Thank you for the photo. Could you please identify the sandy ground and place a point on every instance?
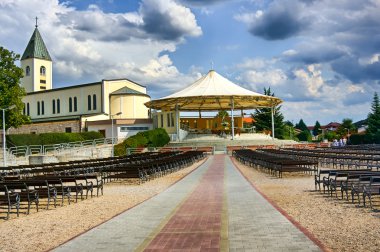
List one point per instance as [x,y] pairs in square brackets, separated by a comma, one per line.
[46,229]
[338,224]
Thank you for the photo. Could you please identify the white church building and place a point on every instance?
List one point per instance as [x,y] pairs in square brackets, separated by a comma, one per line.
[83,107]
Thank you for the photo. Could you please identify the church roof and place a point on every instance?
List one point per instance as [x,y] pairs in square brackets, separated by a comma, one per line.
[36,48]
[126,90]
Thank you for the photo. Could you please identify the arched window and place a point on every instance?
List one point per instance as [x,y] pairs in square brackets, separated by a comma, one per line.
[27,71]
[58,106]
[23,109]
[94,102]
[42,108]
[75,104]
[27,109]
[70,104]
[89,102]
[42,71]
[38,108]
[53,106]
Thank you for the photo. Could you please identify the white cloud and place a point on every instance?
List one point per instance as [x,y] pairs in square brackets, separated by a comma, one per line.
[89,45]
[312,79]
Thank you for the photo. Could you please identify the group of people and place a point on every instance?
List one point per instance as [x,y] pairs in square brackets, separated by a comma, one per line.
[339,143]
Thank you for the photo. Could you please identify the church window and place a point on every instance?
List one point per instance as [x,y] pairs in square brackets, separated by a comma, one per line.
[38,108]
[27,109]
[27,71]
[53,106]
[70,104]
[89,102]
[172,119]
[42,71]
[42,108]
[58,106]
[23,109]
[162,120]
[75,104]
[94,102]
[168,119]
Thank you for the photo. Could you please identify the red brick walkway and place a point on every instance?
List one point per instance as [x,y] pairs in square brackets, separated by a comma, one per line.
[197,224]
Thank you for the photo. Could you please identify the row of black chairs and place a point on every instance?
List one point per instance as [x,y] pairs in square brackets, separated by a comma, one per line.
[361,185]
[274,163]
[337,158]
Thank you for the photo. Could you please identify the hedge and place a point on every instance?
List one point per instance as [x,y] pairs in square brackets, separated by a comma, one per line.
[150,138]
[304,136]
[51,138]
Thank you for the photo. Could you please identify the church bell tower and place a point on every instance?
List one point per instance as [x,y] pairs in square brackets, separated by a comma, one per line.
[37,65]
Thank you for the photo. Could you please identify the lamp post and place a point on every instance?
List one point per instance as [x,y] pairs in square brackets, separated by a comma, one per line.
[4,140]
[119,113]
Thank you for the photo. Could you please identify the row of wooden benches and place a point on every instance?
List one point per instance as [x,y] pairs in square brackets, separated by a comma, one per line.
[361,184]
[14,191]
[152,169]
[273,163]
[62,180]
[337,159]
[76,167]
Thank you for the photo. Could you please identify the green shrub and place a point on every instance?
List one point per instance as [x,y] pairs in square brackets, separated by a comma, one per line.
[356,139]
[304,136]
[24,139]
[90,135]
[150,138]
[51,138]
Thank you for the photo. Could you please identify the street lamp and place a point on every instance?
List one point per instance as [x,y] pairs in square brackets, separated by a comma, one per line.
[119,113]
[4,140]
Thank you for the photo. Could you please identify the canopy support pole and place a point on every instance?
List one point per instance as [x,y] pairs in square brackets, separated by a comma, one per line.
[272,114]
[232,119]
[177,122]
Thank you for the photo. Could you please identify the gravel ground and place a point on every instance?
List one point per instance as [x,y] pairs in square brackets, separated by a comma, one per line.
[46,229]
[338,224]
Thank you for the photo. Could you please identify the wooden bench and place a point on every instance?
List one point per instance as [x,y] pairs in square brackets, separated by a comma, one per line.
[24,193]
[9,199]
[371,190]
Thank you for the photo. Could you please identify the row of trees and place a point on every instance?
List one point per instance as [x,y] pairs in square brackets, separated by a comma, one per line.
[299,131]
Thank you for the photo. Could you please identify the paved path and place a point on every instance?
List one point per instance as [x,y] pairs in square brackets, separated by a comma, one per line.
[212,209]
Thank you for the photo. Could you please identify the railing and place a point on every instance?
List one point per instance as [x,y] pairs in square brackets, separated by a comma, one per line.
[57,148]
[130,151]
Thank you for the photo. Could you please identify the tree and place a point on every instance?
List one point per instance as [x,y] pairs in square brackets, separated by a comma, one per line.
[10,89]
[222,114]
[346,128]
[373,118]
[263,118]
[301,126]
[317,128]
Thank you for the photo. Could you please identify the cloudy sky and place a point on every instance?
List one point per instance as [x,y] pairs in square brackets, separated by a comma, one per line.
[321,57]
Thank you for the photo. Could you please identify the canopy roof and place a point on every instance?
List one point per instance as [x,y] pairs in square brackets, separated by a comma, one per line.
[213,92]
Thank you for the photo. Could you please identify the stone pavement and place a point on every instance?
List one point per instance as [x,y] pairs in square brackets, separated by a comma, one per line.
[212,209]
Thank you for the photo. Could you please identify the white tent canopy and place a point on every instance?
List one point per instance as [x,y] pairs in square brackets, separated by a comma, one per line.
[213,92]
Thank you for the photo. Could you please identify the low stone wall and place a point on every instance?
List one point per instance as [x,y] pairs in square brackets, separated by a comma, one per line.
[46,127]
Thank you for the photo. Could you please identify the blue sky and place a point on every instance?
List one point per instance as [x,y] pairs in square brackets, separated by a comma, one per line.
[321,57]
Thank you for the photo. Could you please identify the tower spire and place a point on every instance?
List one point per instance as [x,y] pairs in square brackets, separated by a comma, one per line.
[36,22]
